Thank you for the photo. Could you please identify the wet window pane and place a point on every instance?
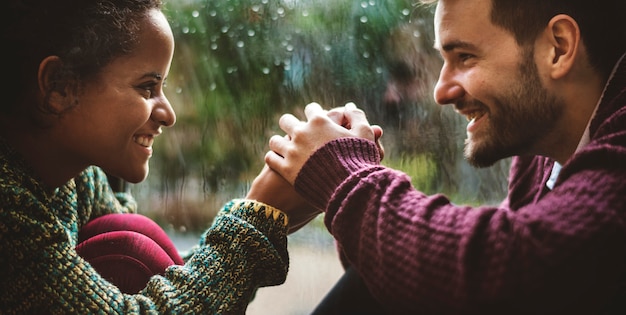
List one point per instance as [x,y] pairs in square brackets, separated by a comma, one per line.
[240,64]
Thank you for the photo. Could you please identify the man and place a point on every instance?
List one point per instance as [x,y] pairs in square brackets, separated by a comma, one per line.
[542,81]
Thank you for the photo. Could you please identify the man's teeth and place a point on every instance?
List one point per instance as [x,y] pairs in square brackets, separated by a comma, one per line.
[144,140]
[473,116]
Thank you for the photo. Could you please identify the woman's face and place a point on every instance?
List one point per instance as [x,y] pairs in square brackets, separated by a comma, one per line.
[120,113]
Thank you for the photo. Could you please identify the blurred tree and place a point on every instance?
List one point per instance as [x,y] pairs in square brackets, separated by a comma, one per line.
[240,64]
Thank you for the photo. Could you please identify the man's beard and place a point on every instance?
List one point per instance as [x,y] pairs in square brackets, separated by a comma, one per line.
[517,120]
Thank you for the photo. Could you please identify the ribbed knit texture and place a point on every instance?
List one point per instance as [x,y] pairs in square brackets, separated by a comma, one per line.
[539,252]
[40,272]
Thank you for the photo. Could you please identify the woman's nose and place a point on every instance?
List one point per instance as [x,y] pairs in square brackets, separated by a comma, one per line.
[163,113]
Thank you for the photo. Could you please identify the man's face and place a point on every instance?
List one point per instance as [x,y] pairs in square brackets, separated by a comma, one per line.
[492,81]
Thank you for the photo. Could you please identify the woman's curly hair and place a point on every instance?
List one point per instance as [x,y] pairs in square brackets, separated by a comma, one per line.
[85,34]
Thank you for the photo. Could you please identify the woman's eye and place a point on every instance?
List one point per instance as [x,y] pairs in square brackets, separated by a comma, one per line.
[147,90]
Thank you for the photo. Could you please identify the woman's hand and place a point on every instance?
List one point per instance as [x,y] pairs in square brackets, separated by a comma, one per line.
[270,188]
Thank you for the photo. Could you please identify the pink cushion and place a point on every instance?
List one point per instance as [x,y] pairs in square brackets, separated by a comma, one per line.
[127,249]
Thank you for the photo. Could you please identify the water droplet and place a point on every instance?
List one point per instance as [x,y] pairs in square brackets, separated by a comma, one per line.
[364,19]
[195,13]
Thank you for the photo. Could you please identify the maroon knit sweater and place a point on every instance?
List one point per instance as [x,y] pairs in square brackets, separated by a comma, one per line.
[542,251]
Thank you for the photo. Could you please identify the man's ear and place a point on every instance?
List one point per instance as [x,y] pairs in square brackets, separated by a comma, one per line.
[52,86]
[563,34]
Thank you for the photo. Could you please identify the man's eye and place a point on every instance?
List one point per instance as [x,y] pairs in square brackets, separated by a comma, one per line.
[465,57]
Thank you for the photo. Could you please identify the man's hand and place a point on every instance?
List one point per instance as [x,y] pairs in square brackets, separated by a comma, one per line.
[289,153]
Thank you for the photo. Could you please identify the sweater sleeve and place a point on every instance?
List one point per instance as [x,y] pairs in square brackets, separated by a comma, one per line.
[423,254]
[41,273]
[96,198]
[245,248]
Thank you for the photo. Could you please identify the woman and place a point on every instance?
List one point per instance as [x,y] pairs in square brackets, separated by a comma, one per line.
[86,96]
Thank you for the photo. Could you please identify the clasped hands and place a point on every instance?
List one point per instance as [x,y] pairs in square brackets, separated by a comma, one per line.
[289,153]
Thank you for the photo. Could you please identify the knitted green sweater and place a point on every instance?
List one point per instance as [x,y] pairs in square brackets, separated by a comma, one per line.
[41,273]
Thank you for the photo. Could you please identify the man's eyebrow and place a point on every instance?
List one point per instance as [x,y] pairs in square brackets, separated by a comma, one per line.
[456,44]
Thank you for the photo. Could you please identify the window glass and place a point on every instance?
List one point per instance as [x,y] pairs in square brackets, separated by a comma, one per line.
[240,64]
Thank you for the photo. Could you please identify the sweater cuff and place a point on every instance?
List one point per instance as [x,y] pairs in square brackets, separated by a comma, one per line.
[331,164]
[268,220]
[261,215]
[258,232]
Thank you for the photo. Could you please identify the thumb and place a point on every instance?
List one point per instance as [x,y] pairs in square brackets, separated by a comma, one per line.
[358,122]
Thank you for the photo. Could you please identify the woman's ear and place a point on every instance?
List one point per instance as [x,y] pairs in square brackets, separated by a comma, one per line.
[52,86]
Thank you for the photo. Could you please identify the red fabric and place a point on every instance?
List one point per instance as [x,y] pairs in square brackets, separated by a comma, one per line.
[127,249]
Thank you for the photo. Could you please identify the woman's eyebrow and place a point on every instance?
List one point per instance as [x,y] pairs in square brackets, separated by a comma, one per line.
[155,75]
